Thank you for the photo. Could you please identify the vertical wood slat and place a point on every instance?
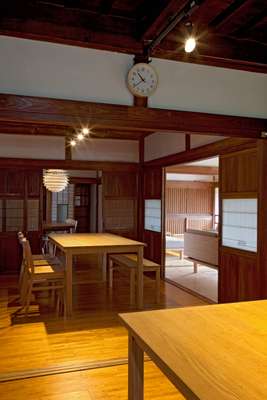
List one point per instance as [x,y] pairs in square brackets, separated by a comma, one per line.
[184,200]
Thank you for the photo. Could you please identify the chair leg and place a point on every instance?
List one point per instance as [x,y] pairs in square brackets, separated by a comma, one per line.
[132,286]
[28,299]
[157,286]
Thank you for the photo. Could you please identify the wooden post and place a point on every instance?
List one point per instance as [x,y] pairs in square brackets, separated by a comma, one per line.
[68,289]
[140,277]
[135,370]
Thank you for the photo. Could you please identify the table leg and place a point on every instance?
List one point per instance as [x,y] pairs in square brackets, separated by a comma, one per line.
[104,267]
[135,370]
[140,278]
[68,289]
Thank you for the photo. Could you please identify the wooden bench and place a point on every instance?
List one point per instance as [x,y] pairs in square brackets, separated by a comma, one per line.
[129,262]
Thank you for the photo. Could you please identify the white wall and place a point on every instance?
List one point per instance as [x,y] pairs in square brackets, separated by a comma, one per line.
[36,68]
[161,144]
[192,87]
[107,150]
[34,147]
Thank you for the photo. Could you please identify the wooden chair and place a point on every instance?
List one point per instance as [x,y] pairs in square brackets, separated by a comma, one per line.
[74,222]
[129,262]
[46,277]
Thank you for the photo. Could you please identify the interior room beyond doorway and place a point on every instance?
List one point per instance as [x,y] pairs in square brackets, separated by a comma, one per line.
[191,225]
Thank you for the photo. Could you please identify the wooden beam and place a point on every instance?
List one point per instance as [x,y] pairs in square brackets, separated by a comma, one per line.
[210,150]
[193,169]
[68,112]
[77,180]
[22,128]
[68,164]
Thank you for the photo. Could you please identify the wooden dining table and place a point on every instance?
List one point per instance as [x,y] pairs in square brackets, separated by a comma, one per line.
[214,352]
[97,243]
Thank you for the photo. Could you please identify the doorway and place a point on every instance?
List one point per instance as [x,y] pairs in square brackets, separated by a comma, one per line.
[192,226]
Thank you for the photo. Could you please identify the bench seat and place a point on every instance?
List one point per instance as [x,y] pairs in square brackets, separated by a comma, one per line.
[129,261]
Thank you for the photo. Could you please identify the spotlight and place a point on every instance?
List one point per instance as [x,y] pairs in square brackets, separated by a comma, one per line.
[80,136]
[73,142]
[85,131]
[190,44]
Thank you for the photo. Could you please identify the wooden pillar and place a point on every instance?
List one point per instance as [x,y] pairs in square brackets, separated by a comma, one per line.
[262,215]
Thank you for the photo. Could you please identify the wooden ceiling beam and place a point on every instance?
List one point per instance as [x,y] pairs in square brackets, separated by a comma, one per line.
[68,164]
[43,110]
[241,15]
[22,128]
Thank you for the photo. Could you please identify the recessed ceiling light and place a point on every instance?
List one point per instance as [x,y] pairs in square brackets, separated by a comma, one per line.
[85,131]
[80,136]
[73,142]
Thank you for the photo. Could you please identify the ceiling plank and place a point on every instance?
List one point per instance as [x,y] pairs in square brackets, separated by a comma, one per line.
[159,16]
[240,16]
[42,110]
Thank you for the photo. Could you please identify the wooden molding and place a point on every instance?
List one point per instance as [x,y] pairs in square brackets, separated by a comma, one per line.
[88,181]
[41,110]
[210,150]
[192,169]
[68,164]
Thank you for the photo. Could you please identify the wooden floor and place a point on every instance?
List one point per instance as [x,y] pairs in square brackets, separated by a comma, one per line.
[93,339]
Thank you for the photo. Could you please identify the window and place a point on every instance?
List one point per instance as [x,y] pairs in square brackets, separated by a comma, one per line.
[239,226]
[14,215]
[33,215]
[153,215]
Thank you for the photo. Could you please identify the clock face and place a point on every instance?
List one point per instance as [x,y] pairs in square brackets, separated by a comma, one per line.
[142,80]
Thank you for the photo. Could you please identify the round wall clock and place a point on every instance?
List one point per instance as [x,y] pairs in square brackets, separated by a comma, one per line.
[142,80]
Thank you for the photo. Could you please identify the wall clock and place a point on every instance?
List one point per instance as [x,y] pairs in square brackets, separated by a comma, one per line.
[142,80]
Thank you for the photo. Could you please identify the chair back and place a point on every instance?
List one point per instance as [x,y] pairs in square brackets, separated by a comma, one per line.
[27,256]
[74,223]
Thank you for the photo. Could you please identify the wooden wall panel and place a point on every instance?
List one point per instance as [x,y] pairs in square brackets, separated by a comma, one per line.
[188,200]
[153,189]
[120,198]
[239,278]
[240,273]
[239,172]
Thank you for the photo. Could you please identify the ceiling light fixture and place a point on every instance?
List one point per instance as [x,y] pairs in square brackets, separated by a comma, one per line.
[55,180]
[73,142]
[190,42]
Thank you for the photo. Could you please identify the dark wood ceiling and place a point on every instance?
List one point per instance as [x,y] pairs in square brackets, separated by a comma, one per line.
[230,33]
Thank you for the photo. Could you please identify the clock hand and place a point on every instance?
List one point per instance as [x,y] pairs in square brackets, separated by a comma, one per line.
[137,84]
[140,76]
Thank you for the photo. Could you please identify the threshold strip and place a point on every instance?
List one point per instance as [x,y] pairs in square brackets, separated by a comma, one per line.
[35,373]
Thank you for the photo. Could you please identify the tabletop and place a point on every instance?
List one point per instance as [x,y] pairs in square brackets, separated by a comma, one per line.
[217,351]
[74,240]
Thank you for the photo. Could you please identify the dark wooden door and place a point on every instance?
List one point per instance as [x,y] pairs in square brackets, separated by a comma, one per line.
[82,206]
